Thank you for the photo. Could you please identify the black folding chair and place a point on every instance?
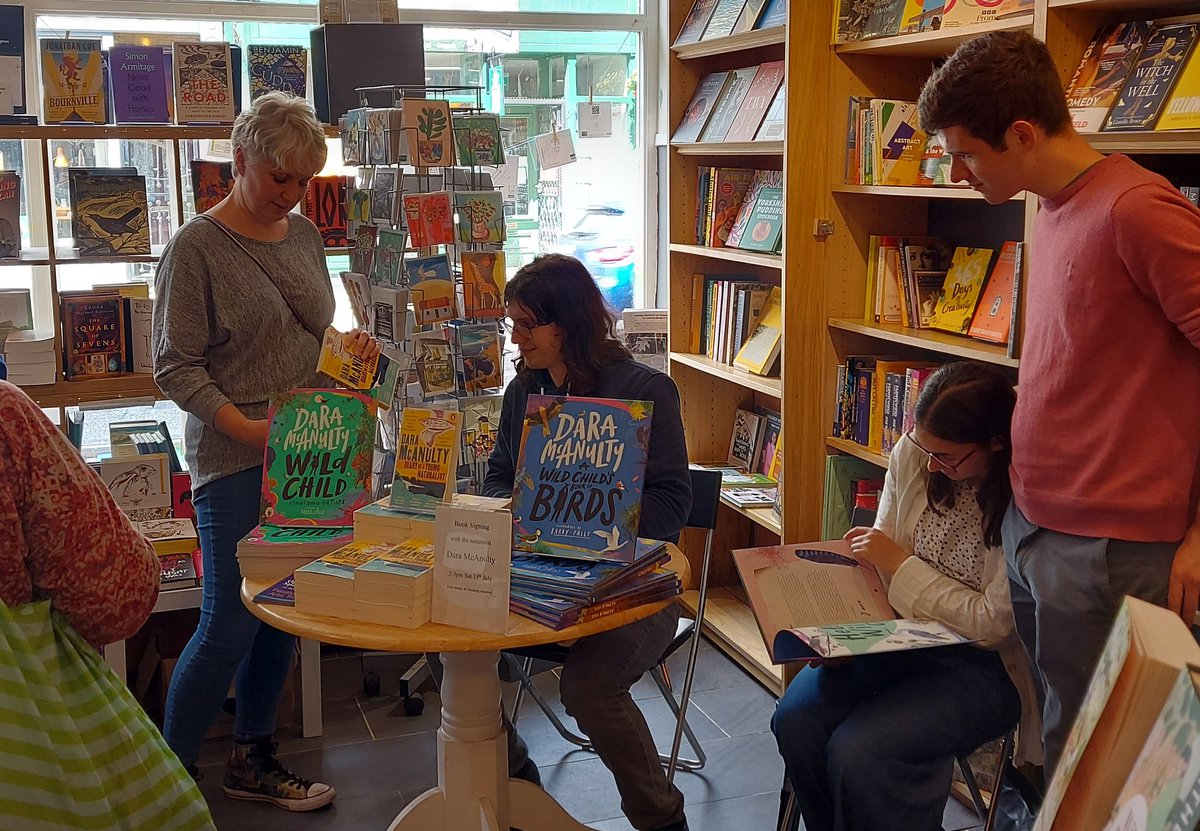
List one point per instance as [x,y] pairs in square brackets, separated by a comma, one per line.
[706,496]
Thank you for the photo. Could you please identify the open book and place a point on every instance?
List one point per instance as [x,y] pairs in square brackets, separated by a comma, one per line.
[816,600]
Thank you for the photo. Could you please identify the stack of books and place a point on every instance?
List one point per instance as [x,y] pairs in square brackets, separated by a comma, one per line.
[560,592]
[396,588]
[178,549]
[30,358]
[326,586]
[271,551]
[381,522]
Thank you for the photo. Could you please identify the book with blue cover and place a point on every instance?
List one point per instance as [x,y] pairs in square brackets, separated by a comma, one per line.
[578,485]
[588,580]
[283,68]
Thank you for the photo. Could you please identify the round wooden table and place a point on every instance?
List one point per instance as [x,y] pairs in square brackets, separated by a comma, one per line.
[473,790]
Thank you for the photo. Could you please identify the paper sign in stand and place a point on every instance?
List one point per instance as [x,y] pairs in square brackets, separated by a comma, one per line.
[472,568]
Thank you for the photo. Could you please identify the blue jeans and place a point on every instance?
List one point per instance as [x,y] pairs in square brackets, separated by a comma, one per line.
[870,745]
[229,640]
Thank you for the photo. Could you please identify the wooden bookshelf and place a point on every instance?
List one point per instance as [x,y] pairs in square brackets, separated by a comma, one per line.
[37,180]
[70,393]
[931,340]
[735,255]
[759,383]
[762,516]
[916,192]
[1168,141]
[853,448]
[730,624]
[729,148]
[754,39]
[931,44]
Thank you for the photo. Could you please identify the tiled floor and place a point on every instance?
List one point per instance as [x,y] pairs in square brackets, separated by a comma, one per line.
[379,759]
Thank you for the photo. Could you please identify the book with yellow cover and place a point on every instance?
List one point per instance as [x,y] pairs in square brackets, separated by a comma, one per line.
[1183,107]
[72,81]
[960,292]
[340,364]
[426,459]
[760,350]
[901,142]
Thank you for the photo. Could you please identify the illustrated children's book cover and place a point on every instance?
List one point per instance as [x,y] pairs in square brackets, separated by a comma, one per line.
[960,292]
[283,68]
[140,485]
[341,365]
[480,216]
[72,81]
[203,83]
[578,484]
[427,447]
[430,218]
[483,283]
[845,640]
[317,466]
[432,288]
[1162,792]
[477,136]
[138,76]
[428,121]
[213,181]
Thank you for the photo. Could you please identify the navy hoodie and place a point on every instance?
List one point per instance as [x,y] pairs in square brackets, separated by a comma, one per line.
[667,494]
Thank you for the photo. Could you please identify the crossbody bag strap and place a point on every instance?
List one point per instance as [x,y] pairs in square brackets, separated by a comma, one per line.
[216,223]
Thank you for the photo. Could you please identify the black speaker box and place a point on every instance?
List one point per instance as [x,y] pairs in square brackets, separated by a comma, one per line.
[349,55]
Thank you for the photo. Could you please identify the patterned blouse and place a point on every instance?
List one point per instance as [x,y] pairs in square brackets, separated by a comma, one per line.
[62,537]
[952,542]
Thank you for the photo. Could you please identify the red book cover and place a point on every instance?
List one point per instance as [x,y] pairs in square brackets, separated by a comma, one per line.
[325,207]
[181,496]
[758,98]
[93,336]
[993,314]
[729,187]
[430,219]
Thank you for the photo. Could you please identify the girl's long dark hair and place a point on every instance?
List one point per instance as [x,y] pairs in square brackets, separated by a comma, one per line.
[971,403]
[559,289]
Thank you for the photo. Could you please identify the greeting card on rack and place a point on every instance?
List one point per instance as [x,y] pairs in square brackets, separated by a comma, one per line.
[480,216]
[554,149]
[432,288]
[383,196]
[483,283]
[430,218]
[389,257]
[477,136]
[435,368]
[429,122]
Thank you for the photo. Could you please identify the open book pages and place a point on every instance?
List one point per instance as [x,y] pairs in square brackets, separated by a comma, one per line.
[845,640]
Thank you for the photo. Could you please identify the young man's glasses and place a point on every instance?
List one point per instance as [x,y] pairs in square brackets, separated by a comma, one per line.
[940,458]
[525,330]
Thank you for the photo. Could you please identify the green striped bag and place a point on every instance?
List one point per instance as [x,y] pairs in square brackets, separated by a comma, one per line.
[76,750]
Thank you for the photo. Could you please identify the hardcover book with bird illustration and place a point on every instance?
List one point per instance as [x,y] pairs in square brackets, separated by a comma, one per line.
[577,490]
[110,215]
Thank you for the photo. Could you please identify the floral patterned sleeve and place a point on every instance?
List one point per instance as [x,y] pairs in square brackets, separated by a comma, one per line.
[62,537]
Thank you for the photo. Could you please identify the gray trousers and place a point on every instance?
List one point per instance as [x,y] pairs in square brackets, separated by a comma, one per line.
[1065,594]
[595,683]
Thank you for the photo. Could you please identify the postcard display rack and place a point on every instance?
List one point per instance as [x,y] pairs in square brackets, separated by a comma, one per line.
[427,230]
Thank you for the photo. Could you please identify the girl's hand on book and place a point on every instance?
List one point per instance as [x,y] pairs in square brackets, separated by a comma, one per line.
[876,548]
[361,345]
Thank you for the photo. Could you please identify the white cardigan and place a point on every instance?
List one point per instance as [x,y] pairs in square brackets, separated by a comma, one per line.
[917,589]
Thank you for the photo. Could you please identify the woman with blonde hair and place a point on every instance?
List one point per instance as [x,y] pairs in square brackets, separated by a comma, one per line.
[243,297]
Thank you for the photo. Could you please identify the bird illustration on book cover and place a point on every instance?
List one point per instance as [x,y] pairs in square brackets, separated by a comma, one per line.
[318,461]
[111,215]
[578,485]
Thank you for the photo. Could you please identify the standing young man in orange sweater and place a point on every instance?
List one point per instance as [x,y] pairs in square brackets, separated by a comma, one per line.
[1106,433]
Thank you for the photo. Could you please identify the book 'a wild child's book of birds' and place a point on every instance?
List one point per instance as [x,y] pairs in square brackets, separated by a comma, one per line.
[577,490]
[317,468]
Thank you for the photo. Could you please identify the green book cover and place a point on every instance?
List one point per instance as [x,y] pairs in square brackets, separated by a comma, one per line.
[320,449]
[764,231]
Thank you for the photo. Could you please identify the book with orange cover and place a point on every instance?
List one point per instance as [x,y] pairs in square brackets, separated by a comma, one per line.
[993,313]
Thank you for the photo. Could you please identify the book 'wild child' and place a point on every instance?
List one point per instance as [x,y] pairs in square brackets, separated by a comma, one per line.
[577,490]
[320,446]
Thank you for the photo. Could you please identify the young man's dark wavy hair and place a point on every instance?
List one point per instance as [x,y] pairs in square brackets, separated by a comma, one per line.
[971,403]
[990,82]
[559,289]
